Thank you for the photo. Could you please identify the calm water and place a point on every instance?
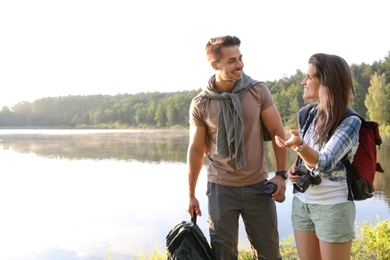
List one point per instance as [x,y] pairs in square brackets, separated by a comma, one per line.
[82,194]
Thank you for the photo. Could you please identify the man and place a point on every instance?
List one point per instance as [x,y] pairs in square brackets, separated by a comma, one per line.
[227,122]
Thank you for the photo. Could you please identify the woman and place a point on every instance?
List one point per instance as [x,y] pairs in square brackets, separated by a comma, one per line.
[322,216]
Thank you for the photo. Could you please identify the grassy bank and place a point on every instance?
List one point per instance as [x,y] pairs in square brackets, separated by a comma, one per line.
[372,242]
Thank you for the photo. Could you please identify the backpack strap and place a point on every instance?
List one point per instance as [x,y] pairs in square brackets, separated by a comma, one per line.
[351,175]
[351,112]
[366,124]
[351,172]
[193,219]
[305,117]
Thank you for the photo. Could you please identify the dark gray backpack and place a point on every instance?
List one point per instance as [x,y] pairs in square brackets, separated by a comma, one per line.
[185,241]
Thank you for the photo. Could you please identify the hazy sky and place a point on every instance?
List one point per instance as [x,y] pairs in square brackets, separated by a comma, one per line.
[81,47]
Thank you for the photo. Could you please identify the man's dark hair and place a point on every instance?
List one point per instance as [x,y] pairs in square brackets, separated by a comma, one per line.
[214,46]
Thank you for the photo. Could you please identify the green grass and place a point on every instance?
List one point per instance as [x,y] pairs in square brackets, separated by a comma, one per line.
[372,242]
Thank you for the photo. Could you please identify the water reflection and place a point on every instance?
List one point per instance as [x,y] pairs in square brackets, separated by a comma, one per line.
[150,146]
[82,194]
[82,209]
[139,145]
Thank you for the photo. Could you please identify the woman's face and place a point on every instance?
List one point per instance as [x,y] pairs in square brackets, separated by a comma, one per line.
[311,84]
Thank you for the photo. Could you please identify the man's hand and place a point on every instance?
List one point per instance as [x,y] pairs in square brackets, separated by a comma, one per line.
[280,192]
[193,205]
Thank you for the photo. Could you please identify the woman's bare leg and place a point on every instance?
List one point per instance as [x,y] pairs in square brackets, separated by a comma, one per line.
[308,245]
[335,251]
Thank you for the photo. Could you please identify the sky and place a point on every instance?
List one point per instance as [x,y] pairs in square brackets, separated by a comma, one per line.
[51,48]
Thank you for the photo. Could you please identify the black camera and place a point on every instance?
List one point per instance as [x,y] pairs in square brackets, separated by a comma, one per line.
[306,179]
[270,188]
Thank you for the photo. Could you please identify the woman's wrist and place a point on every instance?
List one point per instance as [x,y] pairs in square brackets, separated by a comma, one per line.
[300,147]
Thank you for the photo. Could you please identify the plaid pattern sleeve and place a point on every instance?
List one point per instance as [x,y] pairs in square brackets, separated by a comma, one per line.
[344,141]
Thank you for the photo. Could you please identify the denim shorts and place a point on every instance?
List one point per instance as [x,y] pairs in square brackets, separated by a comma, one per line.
[331,223]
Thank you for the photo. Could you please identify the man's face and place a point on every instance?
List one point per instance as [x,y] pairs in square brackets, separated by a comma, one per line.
[231,64]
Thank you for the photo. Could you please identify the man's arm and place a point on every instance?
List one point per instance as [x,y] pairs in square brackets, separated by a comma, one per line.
[273,123]
[195,157]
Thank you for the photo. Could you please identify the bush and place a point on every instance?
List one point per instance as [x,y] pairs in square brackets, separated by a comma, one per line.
[373,242]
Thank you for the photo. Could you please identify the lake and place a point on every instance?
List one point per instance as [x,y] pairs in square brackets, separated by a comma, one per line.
[88,194]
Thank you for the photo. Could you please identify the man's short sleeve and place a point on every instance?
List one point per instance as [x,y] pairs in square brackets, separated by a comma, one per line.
[263,95]
[196,111]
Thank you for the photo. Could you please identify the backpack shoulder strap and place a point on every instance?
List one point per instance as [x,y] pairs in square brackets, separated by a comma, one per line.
[367,124]
[351,172]
[303,115]
[351,112]
[303,123]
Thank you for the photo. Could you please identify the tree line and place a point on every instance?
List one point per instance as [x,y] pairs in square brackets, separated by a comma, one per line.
[170,110]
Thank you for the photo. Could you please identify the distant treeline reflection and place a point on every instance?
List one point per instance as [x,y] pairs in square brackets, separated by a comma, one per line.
[150,146]
[145,146]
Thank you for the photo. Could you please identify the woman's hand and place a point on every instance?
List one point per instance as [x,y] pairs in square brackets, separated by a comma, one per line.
[294,141]
[291,174]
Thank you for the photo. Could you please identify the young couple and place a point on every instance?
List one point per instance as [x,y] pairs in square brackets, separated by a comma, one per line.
[227,124]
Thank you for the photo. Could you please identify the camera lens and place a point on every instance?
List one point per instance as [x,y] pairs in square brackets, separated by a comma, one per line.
[303,183]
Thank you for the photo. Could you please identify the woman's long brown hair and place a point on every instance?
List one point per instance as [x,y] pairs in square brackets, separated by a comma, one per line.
[335,93]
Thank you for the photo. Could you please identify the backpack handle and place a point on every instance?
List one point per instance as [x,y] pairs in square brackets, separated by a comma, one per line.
[193,219]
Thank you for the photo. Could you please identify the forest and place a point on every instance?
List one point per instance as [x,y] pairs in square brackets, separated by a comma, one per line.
[170,110]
